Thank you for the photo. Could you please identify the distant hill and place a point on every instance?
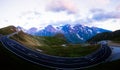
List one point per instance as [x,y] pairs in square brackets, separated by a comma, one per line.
[74,34]
[114,36]
[8,30]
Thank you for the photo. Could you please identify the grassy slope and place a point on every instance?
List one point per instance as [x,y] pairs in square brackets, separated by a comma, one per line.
[26,40]
[113,36]
[53,45]
[7,30]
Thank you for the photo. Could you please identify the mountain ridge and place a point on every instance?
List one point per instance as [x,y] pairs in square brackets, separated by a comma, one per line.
[74,34]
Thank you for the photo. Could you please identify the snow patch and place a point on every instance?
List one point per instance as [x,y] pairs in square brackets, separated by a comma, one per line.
[79,36]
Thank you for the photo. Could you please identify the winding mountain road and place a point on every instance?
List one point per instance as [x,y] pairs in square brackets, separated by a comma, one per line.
[53,61]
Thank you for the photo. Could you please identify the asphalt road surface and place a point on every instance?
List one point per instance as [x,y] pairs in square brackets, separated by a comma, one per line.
[53,61]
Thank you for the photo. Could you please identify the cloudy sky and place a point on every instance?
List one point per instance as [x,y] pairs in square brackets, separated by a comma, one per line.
[40,13]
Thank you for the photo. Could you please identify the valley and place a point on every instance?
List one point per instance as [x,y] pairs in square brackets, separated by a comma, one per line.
[64,41]
[56,45]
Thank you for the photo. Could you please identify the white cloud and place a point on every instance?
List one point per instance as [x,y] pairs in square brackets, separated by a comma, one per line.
[102,2]
[29,13]
[62,5]
[113,24]
[45,19]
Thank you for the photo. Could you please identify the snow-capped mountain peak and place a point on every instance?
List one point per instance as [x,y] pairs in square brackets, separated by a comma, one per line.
[74,34]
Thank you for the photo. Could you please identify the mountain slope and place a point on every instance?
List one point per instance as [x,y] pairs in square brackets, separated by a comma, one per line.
[47,31]
[8,30]
[21,37]
[114,36]
[74,34]
[26,40]
[80,33]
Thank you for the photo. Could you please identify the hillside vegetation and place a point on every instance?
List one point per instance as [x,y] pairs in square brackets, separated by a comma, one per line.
[114,36]
[26,40]
[54,45]
[8,30]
